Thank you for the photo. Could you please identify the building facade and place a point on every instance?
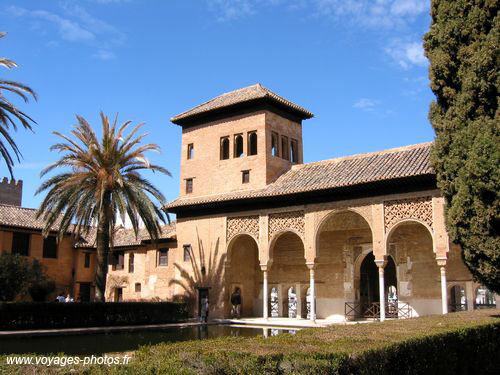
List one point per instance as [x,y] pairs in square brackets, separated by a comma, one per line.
[359,236]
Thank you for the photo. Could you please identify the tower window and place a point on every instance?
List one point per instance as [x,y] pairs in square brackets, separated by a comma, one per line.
[189,185]
[274,144]
[284,148]
[245,177]
[238,146]
[137,287]
[252,143]
[190,151]
[294,148]
[224,148]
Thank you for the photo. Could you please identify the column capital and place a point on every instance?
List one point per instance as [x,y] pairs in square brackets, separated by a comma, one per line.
[264,267]
[310,265]
[381,263]
[441,261]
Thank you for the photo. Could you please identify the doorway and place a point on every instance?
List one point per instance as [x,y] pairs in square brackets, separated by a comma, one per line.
[84,292]
[202,293]
[369,287]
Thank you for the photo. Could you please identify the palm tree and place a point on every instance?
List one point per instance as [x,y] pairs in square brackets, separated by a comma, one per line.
[9,113]
[102,183]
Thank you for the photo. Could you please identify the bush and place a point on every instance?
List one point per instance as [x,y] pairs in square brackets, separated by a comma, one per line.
[461,343]
[15,275]
[41,289]
[38,315]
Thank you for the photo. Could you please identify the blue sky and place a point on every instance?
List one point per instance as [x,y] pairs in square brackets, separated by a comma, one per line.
[358,65]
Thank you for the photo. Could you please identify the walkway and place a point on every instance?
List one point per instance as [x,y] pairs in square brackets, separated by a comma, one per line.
[287,322]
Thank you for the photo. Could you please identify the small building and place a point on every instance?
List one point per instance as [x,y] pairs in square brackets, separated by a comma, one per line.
[335,239]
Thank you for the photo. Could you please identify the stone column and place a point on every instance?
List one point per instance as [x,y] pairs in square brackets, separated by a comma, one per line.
[312,291]
[441,261]
[265,297]
[298,294]
[469,295]
[381,285]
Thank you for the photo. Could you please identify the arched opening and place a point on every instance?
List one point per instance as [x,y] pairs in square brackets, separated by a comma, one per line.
[274,144]
[342,239]
[274,302]
[288,272]
[369,288]
[244,275]
[252,143]
[292,303]
[410,245]
[238,146]
[485,299]
[458,300]
[224,148]
[294,151]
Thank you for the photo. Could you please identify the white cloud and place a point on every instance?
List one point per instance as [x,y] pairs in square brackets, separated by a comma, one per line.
[372,13]
[69,30]
[231,9]
[406,54]
[103,54]
[366,104]
[75,24]
[363,13]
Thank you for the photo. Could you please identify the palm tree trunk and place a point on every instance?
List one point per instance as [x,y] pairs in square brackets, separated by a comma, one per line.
[103,240]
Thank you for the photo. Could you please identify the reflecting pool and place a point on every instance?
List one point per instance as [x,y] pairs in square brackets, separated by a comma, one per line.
[100,343]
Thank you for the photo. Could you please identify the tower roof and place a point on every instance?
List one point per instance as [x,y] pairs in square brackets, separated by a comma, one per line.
[240,98]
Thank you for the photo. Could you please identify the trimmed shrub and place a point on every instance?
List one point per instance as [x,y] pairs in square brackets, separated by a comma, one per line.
[38,315]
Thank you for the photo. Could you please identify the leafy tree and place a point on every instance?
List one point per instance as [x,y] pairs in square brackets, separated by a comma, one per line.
[463,49]
[15,275]
[40,285]
[9,113]
[103,181]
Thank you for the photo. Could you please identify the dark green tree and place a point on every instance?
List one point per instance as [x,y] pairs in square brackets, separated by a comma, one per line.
[463,49]
[40,285]
[15,276]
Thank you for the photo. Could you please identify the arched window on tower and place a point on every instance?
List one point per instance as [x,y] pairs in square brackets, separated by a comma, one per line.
[252,143]
[238,145]
[224,148]
[274,144]
[294,149]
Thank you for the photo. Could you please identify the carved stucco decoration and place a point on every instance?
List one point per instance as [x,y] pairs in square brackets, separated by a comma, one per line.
[286,221]
[415,208]
[242,224]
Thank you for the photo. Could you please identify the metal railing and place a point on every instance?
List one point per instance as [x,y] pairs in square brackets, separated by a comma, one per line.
[395,310]
[455,307]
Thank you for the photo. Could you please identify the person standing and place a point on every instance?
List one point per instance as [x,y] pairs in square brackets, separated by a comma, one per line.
[204,310]
[236,302]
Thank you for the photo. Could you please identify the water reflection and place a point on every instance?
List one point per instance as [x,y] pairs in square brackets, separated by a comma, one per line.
[101,343]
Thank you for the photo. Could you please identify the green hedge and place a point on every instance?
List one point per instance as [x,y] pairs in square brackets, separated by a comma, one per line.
[464,351]
[38,315]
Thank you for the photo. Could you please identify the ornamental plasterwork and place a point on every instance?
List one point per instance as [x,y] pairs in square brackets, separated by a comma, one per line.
[285,221]
[242,224]
[414,208]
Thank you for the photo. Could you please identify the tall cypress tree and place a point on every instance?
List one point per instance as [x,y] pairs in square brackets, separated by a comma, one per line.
[463,49]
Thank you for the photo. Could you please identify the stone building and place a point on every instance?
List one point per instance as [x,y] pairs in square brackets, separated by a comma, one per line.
[71,267]
[357,236]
